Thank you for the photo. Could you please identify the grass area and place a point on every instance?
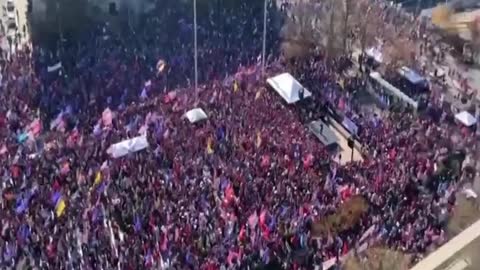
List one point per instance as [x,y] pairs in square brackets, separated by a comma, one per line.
[347,215]
[466,212]
[378,259]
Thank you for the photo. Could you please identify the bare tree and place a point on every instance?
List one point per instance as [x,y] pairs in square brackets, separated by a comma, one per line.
[348,8]
[399,52]
[298,32]
[367,22]
[313,25]
[63,18]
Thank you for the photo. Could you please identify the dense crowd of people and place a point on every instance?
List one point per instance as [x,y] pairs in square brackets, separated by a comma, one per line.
[240,190]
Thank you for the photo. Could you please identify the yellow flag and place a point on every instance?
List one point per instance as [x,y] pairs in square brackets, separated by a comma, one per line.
[209,146]
[98,178]
[60,208]
[235,86]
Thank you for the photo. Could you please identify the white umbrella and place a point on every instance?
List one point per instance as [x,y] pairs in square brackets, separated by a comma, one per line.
[128,146]
[196,115]
[466,118]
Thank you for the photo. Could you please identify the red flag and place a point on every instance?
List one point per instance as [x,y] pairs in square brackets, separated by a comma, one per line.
[345,248]
[392,154]
[35,127]
[229,194]
[253,220]
[345,192]
[164,245]
[263,217]
[73,138]
[308,161]
[242,234]
[233,256]
[265,162]
[341,104]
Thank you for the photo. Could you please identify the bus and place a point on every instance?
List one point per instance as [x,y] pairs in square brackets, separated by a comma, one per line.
[387,94]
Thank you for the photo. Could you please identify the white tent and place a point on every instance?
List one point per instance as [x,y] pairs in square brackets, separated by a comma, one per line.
[196,115]
[128,146]
[288,87]
[466,118]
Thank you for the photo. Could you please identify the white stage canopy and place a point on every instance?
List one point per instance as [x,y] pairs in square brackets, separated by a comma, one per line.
[288,87]
[466,118]
[196,115]
[125,147]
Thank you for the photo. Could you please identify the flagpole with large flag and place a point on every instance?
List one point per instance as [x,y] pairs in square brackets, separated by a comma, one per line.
[195,42]
[264,35]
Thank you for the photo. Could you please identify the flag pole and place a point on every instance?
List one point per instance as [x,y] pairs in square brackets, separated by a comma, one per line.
[195,42]
[264,35]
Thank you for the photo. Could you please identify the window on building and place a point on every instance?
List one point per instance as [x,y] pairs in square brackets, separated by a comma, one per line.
[112,8]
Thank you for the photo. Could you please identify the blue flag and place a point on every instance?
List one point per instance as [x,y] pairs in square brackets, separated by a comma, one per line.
[138,224]
[22,137]
[22,203]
